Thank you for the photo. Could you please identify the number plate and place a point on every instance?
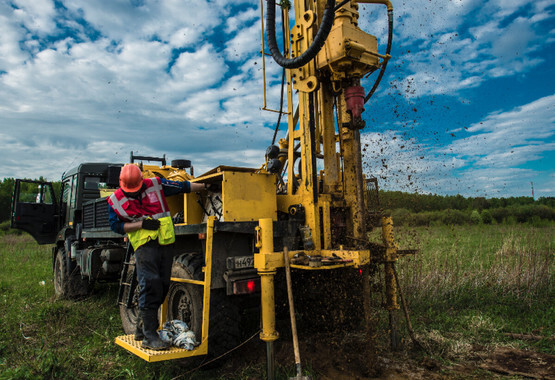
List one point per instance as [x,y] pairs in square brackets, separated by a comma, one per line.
[243,262]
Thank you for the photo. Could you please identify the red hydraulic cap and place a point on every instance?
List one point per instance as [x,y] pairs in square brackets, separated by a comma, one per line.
[354,97]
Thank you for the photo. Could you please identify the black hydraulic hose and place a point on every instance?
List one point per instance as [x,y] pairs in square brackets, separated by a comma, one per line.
[387,52]
[313,49]
[282,82]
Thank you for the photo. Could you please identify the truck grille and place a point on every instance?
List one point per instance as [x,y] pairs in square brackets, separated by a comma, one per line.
[95,214]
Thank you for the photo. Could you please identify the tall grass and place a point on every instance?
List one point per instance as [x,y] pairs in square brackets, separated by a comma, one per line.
[514,260]
[474,284]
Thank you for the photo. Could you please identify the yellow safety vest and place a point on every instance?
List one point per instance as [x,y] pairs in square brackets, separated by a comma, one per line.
[165,234]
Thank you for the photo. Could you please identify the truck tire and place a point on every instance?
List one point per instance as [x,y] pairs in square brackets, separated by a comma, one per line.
[185,304]
[129,315]
[68,284]
[185,300]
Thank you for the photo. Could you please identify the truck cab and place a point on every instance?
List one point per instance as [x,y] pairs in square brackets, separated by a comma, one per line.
[58,219]
[37,210]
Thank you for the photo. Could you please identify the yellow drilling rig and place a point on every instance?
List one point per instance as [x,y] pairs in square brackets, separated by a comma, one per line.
[309,203]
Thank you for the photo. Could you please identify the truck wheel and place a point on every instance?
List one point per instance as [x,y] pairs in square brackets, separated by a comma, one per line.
[185,304]
[68,285]
[129,315]
[185,300]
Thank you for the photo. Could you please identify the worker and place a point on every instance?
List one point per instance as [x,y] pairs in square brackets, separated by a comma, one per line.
[139,209]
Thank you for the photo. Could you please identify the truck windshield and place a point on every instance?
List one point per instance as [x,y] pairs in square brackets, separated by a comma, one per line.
[94,183]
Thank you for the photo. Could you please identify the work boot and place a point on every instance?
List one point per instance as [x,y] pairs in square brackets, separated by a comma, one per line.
[151,339]
[139,335]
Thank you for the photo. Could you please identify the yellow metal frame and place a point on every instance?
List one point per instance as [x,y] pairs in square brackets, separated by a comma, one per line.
[133,346]
[274,260]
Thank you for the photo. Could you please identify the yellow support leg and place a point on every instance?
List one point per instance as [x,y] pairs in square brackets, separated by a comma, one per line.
[265,244]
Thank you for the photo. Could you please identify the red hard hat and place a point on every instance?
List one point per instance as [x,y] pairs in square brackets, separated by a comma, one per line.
[130,178]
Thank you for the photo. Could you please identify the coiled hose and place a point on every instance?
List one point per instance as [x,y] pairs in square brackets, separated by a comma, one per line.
[313,49]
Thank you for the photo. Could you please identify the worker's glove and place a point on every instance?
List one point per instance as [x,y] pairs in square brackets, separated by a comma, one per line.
[151,224]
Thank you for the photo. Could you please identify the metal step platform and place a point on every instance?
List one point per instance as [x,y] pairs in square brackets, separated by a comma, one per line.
[134,346]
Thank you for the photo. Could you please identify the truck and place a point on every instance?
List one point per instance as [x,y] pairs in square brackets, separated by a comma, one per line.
[308,203]
[86,251]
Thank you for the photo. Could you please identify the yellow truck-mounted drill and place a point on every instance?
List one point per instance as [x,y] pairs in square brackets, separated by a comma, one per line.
[309,200]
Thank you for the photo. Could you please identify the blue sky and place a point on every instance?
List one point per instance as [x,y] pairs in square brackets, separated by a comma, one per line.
[467,105]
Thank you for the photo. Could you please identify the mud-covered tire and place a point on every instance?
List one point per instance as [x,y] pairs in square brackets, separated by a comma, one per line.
[129,315]
[68,285]
[185,303]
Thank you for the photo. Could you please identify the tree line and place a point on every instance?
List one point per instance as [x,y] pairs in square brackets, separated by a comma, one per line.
[432,209]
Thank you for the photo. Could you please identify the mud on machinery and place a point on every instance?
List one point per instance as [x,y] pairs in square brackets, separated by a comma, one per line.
[309,199]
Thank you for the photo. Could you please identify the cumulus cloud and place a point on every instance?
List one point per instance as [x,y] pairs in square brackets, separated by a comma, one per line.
[512,137]
[246,42]
[498,149]
[239,21]
[35,15]
[79,80]
[455,54]
[405,164]
[489,160]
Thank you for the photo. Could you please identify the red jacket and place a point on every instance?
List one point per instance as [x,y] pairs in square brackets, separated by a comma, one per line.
[152,203]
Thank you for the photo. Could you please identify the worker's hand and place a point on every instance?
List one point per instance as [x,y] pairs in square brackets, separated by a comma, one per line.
[151,224]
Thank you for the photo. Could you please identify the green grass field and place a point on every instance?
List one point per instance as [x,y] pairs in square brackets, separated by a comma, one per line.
[480,286]
[468,287]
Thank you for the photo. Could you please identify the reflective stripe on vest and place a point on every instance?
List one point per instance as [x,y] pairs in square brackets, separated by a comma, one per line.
[153,204]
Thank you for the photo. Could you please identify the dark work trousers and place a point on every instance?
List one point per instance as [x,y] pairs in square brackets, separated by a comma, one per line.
[154,266]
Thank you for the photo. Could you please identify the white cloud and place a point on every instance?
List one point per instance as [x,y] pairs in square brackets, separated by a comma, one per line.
[502,143]
[459,52]
[168,21]
[486,163]
[36,15]
[199,69]
[239,21]
[509,139]
[522,130]
[246,42]
[404,164]
[10,35]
